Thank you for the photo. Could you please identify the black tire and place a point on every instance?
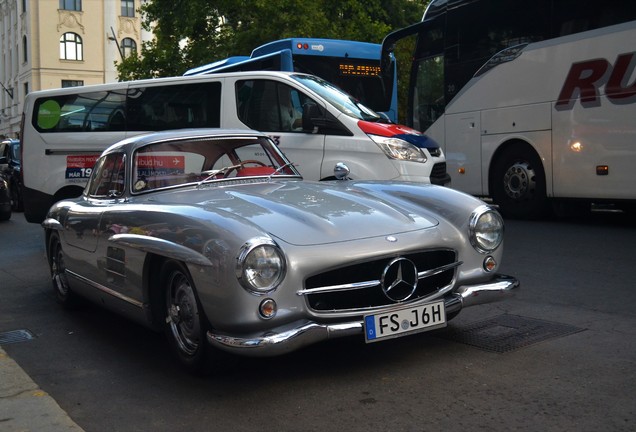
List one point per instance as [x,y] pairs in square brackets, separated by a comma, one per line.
[518,184]
[16,199]
[61,288]
[185,323]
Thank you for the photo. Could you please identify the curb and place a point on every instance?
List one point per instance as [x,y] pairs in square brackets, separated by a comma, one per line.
[24,407]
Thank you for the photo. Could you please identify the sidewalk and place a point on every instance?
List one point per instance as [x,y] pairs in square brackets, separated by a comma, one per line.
[24,407]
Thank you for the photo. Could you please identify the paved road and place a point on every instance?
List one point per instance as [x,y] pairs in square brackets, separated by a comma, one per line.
[560,356]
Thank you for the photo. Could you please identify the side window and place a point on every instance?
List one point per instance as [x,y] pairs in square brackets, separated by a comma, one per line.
[270,106]
[174,107]
[108,178]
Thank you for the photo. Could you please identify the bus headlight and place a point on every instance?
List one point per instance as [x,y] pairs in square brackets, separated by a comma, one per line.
[485,229]
[260,266]
[396,148]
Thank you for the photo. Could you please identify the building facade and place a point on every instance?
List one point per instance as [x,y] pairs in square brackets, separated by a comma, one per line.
[48,44]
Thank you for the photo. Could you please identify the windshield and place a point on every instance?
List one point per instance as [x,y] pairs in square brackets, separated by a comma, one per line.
[344,102]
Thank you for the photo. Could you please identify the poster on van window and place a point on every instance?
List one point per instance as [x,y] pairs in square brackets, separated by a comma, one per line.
[79,167]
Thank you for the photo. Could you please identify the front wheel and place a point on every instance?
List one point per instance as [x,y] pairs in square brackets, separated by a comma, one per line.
[518,184]
[185,322]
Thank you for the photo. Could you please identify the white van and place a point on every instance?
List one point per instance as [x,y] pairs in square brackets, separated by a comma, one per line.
[312,121]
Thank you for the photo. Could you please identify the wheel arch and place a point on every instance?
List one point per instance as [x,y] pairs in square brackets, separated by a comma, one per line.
[66,192]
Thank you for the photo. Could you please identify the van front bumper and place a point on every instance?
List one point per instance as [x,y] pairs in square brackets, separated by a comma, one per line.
[299,334]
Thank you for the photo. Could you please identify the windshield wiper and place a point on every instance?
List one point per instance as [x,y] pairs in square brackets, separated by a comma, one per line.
[279,169]
[214,172]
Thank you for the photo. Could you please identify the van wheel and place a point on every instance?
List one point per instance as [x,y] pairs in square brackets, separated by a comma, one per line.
[63,293]
[518,184]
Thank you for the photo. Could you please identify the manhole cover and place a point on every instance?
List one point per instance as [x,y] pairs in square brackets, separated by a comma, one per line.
[14,336]
[506,333]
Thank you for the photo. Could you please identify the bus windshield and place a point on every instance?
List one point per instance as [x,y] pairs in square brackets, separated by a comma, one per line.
[344,102]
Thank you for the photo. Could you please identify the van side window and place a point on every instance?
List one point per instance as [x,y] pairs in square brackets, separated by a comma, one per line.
[174,106]
[270,106]
[108,177]
[83,112]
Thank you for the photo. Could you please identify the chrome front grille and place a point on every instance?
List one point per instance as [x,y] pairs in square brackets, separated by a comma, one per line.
[359,286]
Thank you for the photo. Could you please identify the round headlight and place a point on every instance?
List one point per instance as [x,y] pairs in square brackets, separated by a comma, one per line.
[260,266]
[486,229]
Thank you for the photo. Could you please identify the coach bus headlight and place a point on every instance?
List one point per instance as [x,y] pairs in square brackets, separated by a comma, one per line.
[396,148]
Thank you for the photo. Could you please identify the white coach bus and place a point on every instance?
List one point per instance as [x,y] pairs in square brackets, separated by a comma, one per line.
[533,102]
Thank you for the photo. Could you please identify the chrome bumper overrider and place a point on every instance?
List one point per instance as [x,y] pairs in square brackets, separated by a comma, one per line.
[283,340]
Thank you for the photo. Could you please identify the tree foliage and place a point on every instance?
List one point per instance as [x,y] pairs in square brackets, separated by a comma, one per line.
[190,33]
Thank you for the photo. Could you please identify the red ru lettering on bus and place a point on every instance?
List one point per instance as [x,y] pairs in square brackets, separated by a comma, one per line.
[586,78]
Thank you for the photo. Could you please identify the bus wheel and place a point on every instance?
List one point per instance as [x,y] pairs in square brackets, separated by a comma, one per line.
[518,184]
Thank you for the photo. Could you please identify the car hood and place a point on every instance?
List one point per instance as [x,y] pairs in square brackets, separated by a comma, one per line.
[306,213]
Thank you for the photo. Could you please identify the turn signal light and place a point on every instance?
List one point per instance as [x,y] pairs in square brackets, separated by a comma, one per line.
[490,264]
[268,308]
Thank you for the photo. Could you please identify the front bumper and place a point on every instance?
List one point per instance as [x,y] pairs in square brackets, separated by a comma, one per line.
[297,335]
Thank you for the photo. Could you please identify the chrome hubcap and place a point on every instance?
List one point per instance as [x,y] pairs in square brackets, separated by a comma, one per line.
[519,181]
[183,316]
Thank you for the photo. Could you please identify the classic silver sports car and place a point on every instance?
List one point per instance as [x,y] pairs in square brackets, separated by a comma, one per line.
[213,237]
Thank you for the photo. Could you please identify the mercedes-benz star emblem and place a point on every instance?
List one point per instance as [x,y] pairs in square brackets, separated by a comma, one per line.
[399,279]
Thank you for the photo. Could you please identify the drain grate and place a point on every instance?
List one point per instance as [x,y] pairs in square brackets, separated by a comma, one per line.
[15,336]
[506,333]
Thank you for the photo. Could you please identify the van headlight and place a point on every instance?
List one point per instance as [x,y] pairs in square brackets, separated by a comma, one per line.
[396,148]
[260,265]
[485,229]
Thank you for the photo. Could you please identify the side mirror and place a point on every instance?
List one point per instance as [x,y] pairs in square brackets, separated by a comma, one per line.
[341,171]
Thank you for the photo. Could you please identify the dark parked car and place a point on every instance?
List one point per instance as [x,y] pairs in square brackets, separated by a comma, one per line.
[10,169]
[5,200]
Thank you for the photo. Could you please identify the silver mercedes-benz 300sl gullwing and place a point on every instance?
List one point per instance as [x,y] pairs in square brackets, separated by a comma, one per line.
[213,237]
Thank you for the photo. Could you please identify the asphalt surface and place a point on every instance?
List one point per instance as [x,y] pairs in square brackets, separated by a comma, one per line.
[577,281]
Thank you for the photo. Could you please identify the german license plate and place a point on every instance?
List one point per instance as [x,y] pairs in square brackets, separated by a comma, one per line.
[399,322]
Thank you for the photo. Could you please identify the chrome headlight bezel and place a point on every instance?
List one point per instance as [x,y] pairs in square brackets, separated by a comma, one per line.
[485,229]
[260,266]
[396,148]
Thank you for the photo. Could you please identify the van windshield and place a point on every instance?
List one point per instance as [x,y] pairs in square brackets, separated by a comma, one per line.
[344,102]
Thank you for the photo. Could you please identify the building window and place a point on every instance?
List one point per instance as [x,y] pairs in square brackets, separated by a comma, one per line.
[72,83]
[26,88]
[25,56]
[24,6]
[74,5]
[71,47]
[128,8]
[128,47]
